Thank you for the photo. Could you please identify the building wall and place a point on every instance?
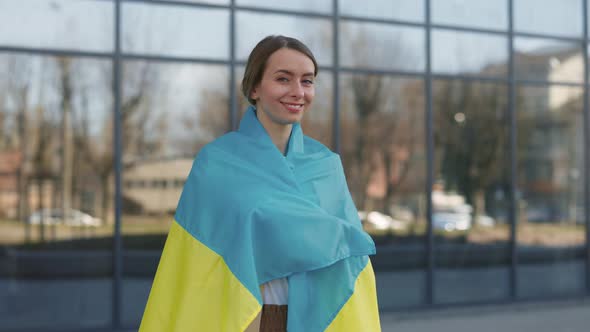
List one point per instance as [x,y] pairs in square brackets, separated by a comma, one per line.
[479,104]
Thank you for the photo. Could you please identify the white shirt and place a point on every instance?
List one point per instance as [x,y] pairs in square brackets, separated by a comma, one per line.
[275,292]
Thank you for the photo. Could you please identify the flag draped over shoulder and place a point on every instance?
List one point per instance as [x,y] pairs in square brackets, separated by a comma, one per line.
[248,215]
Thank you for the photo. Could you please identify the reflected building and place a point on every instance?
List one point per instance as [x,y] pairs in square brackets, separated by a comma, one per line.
[463,136]
[154,186]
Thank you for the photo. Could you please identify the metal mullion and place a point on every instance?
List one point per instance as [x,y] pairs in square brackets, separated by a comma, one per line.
[127,56]
[468,29]
[178,3]
[109,55]
[360,19]
[471,78]
[545,36]
[430,281]
[547,83]
[303,13]
[335,76]
[586,143]
[233,108]
[513,214]
[55,52]
[117,241]
[544,301]
[369,71]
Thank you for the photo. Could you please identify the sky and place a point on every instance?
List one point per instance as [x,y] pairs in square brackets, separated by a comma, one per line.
[179,31]
[87,25]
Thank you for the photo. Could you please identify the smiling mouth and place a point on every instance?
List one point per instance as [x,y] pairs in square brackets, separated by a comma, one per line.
[294,108]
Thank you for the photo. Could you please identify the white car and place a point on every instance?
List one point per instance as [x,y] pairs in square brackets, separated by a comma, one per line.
[377,223]
[450,221]
[56,216]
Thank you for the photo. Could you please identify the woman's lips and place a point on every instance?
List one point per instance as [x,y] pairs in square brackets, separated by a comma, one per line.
[293,107]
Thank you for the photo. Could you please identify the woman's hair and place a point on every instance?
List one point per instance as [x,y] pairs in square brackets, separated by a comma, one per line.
[259,56]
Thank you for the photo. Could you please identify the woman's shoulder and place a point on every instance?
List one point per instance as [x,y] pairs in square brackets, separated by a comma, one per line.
[314,146]
[217,148]
[224,142]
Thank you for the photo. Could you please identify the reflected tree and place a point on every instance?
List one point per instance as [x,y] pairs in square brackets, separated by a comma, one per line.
[471,134]
[385,116]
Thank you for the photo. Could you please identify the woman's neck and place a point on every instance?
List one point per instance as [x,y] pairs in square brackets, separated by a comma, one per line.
[279,133]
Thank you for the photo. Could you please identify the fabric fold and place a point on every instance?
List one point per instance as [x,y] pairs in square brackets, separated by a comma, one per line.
[269,216]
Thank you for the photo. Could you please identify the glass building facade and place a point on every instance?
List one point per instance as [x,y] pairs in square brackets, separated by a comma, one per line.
[463,126]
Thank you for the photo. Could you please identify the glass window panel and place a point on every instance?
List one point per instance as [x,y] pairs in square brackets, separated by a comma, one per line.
[470,196]
[487,14]
[550,156]
[315,33]
[169,111]
[213,2]
[56,192]
[405,10]
[551,17]
[381,46]
[318,6]
[63,24]
[175,30]
[317,123]
[384,156]
[469,53]
[548,60]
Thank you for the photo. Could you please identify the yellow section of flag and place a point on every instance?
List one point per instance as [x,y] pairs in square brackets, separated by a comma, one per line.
[360,312]
[194,290]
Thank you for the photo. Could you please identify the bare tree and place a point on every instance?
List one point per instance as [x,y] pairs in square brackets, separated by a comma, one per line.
[382,120]
[471,135]
[136,112]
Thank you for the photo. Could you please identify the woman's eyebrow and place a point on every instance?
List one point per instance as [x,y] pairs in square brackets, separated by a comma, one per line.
[288,72]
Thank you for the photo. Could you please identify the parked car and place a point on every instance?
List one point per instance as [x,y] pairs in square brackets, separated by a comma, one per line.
[450,212]
[450,221]
[377,223]
[56,216]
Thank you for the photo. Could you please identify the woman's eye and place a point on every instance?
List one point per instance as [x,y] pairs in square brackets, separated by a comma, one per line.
[308,82]
[282,79]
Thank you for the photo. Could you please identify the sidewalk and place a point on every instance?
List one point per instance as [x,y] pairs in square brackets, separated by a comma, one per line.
[563,316]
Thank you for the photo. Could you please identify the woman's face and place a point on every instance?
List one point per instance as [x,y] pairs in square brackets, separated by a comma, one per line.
[286,89]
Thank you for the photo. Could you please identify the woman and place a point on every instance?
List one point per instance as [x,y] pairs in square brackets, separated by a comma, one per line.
[266,236]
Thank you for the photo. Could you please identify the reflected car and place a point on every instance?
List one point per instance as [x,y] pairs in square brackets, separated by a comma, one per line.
[56,216]
[377,223]
[485,221]
[450,221]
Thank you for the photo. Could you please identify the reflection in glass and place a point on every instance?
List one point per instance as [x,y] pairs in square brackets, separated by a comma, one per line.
[317,123]
[56,191]
[383,153]
[548,60]
[175,30]
[213,2]
[470,195]
[551,17]
[319,6]
[551,233]
[470,53]
[487,14]
[315,33]
[61,24]
[381,46]
[404,10]
[169,111]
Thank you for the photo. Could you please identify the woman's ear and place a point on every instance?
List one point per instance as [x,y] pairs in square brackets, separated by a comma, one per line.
[254,94]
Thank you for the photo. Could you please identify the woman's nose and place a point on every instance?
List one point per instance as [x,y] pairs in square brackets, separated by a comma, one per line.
[297,90]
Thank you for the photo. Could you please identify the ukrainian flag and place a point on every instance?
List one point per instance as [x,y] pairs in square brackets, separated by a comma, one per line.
[248,215]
